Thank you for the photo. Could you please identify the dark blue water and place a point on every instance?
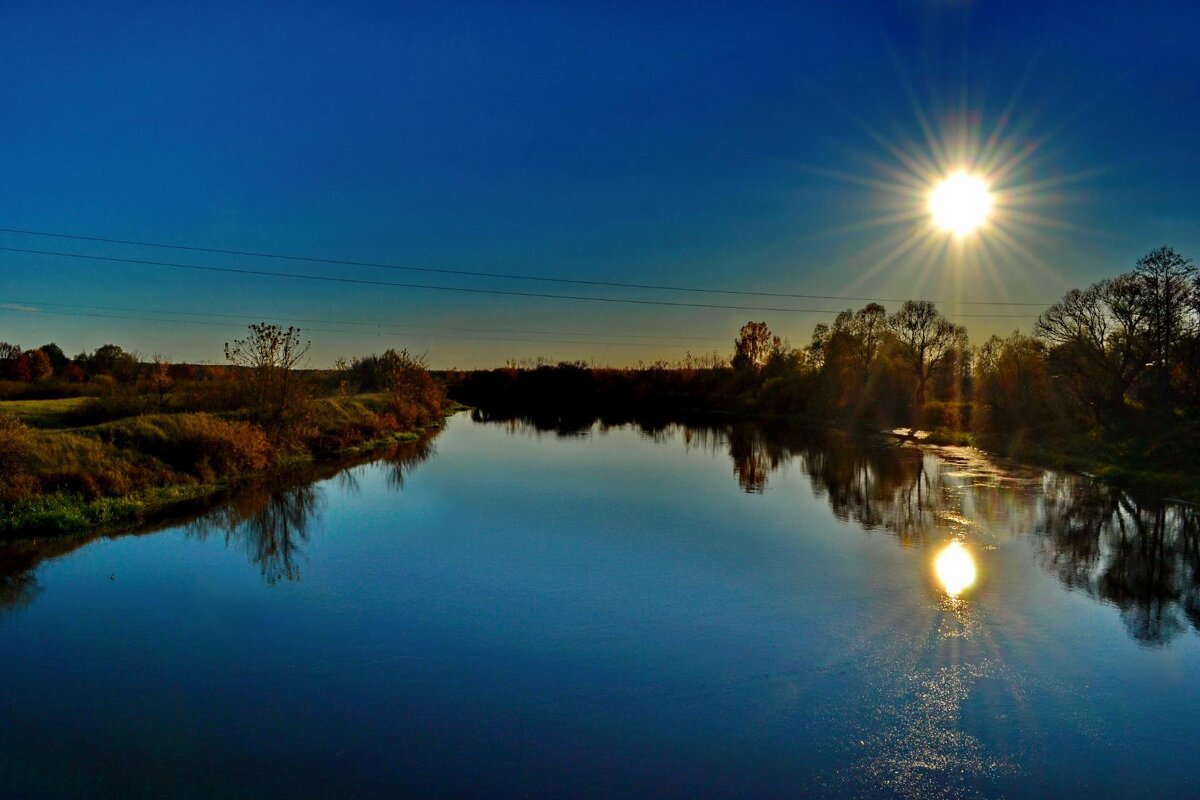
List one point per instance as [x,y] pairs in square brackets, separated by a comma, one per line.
[722,611]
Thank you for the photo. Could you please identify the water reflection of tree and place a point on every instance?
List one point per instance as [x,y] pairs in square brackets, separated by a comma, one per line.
[1143,557]
[402,460]
[18,569]
[270,520]
[271,527]
[17,589]
[876,485]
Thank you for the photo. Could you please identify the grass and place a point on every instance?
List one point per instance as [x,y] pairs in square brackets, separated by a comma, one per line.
[57,413]
[120,473]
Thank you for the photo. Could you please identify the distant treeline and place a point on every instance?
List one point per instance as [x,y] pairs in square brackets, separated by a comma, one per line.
[1114,367]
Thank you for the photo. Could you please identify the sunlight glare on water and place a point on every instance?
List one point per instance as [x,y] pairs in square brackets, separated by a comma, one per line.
[955,568]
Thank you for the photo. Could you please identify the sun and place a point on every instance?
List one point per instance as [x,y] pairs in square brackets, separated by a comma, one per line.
[960,203]
[955,568]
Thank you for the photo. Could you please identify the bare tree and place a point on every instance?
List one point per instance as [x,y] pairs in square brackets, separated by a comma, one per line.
[271,357]
[1099,341]
[1167,280]
[927,339]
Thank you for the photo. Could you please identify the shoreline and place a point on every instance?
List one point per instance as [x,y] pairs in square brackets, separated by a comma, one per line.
[62,515]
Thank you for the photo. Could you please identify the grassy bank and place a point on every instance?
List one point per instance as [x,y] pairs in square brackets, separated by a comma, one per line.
[64,479]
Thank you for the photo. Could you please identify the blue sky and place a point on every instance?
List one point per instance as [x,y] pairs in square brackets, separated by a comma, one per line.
[743,146]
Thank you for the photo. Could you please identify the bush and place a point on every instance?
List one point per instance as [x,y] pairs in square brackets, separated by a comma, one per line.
[945,415]
[16,452]
[197,444]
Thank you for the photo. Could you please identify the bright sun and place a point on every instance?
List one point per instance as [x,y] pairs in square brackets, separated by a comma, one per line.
[960,203]
[955,568]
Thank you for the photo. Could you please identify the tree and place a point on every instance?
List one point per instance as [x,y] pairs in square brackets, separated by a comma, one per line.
[110,359]
[270,357]
[58,359]
[1167,279]
[1012,382]
[853,371]
[754,346]
[1099,343]
[927,340]
[156,383]
[416,398]
[40,368]
[12,364]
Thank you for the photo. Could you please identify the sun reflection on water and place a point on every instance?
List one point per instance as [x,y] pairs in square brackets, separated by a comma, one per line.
[955,568]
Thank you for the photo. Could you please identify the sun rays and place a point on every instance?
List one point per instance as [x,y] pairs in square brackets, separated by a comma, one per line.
[968,210]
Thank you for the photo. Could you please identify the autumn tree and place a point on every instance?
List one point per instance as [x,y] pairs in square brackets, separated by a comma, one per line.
[754,346]
[854,360]
[1012,382]
[270,358]
[927,340]
[40,368]
[155,383]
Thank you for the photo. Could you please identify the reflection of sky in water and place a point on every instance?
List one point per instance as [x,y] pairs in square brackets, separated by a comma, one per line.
[673,611]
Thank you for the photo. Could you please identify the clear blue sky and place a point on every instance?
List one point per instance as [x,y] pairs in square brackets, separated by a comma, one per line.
[733,146]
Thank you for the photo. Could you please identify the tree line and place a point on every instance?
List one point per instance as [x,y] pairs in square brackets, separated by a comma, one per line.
[1120,351]
[1111,372]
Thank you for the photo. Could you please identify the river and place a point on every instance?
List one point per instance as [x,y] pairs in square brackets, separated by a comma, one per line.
[617,610]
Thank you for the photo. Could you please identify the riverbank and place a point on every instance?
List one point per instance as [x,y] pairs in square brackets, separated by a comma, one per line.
[124,473]
[1143,449]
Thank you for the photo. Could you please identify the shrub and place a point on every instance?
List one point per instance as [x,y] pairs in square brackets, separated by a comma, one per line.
[946,415]
[102,384]
[16,452]
[197,444]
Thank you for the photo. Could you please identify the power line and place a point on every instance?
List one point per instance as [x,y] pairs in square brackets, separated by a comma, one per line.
[329,330]
[483,274]
[461,289]
[364,323]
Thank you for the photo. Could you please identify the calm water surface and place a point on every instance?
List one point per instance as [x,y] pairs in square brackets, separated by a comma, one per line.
[671,611]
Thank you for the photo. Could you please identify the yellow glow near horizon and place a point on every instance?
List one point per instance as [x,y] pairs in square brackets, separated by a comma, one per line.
[955,568]
[960,203]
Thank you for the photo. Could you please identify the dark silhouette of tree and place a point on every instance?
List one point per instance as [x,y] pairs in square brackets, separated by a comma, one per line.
[58,359]
[754,346]
[112,360]
[1168,281]
[927,340]
[1099,342]
[14,363]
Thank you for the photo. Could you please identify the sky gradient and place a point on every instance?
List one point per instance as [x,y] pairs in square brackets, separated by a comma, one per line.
[739,146]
